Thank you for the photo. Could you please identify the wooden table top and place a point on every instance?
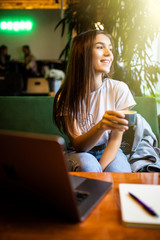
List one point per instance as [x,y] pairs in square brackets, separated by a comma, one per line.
[104,222]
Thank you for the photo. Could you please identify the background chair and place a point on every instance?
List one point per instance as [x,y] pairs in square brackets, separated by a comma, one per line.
[38,86]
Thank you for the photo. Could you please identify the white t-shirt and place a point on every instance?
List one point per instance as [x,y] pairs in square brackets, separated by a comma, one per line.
[112,95]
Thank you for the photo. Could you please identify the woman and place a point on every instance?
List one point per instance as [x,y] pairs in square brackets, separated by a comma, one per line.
[29,60]
[29,65]
[87,104]
[4,59]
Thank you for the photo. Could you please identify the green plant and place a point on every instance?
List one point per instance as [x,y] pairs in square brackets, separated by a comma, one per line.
[156,95]
[133,25]
[80,16]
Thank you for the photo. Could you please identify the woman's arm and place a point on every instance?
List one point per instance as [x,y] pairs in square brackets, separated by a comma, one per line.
[111,149]
[112,120]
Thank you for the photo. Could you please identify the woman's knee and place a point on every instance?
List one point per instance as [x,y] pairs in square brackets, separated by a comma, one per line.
[119,164]
[83,162]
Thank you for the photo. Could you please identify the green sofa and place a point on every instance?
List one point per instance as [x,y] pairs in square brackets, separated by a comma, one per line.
[34,114]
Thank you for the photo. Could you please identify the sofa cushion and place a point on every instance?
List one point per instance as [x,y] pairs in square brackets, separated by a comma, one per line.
[28,114]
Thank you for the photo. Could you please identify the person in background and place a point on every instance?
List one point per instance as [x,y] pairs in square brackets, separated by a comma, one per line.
[29,65]
[4,59]
[87,105]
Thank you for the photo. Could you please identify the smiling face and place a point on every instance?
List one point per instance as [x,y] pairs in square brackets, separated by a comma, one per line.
[102,54]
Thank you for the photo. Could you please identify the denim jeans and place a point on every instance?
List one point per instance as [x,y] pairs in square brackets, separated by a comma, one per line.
[89,162]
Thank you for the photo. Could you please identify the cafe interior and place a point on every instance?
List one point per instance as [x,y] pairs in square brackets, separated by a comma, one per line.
[44,41]
[37,200]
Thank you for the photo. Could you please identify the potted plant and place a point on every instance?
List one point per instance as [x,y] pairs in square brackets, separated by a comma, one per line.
[133,26]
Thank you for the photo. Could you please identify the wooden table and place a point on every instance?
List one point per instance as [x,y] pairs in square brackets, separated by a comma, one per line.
[103,223]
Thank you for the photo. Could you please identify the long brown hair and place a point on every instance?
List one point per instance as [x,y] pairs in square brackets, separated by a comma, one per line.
[74,95]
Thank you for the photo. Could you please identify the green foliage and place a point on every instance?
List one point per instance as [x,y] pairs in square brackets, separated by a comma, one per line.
[156,95]
[133,24]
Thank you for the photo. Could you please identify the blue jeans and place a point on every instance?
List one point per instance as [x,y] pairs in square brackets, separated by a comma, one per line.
[89,162]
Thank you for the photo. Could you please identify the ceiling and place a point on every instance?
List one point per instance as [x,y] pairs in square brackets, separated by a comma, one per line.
[33,4]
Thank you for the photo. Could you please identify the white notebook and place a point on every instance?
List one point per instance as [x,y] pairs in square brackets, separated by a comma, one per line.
[133,214]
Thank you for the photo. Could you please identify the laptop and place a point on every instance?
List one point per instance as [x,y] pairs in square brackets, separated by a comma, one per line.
[36,165]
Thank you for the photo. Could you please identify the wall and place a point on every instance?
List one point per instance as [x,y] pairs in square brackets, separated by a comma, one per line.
[45,43]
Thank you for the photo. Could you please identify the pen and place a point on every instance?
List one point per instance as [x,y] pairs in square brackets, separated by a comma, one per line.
[147,208]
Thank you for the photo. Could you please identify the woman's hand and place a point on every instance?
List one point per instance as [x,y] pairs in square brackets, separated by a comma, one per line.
[111,120]
[114,120]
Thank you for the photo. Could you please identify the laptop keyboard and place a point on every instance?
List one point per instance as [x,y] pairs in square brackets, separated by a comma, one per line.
[80,196]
